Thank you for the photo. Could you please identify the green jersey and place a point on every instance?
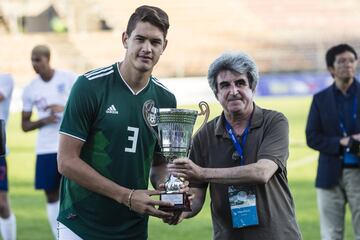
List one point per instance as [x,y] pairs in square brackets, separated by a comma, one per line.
[106,114]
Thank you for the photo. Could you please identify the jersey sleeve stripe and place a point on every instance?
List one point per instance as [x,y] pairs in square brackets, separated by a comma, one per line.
[96,72]
[154,80]
[101,75]
[73,136]
[97,69]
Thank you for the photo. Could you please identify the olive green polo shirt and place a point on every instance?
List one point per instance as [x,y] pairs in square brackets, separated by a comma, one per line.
[268,138]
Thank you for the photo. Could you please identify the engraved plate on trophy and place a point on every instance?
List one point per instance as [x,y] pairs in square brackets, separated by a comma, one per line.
[174,134]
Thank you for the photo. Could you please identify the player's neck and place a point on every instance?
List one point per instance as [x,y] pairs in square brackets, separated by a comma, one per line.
[135,79]
[47,75]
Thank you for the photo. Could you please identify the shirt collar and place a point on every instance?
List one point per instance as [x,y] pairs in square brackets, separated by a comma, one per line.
[350,92]
[256,121]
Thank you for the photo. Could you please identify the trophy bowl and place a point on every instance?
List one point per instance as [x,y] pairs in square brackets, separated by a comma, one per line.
[174,135]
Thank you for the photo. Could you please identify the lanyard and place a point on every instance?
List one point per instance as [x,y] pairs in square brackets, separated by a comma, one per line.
[354,116]
[235,140]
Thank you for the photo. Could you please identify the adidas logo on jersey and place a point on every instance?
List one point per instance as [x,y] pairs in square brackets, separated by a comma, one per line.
[112,110]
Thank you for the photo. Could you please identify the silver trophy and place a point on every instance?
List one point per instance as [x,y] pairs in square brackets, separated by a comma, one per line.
[174,134]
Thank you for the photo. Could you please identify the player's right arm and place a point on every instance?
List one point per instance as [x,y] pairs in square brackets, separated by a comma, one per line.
[74,168]
[28,125]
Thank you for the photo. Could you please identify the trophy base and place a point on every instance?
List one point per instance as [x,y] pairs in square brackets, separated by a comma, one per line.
[180,201]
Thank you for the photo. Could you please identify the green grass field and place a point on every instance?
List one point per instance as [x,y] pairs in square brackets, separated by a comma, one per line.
[29,205]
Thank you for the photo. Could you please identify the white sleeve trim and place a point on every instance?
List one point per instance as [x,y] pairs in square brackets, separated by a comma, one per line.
[67,134]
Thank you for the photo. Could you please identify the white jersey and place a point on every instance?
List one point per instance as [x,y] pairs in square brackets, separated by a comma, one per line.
[41,94]
[6,89]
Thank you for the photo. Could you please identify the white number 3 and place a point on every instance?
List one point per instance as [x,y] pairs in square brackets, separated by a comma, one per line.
[133,139]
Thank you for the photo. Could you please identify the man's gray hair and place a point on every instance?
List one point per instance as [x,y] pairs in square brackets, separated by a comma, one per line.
[236,62]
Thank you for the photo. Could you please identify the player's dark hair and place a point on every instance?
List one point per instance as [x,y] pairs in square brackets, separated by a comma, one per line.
[150,14]
[42,50]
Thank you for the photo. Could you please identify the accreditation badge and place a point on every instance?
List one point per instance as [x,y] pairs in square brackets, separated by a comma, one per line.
[350,159]
[243,209]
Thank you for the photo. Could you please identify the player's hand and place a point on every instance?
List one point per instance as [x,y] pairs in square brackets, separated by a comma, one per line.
[185,187]
[55,108]
[161,187]
[185,168]
[50,119]
[177,218]
[141,202]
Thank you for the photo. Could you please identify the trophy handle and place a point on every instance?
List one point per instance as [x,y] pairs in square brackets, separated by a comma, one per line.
[204,110]
[150,118]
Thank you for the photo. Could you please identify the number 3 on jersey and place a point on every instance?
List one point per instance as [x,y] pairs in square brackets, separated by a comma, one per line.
[133,137]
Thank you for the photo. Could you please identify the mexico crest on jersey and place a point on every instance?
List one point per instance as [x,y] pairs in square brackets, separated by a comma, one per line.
[150,112]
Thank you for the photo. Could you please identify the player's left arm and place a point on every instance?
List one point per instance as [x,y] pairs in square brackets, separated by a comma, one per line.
[158,171]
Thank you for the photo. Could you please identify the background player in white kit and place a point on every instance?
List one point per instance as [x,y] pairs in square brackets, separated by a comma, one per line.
[7,218]
[48,93]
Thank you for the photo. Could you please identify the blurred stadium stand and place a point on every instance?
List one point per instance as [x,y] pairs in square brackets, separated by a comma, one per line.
[282,35]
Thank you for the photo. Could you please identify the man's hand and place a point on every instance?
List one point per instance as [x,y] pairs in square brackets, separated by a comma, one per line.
[50,119]
[344,141]
[141,202]
[356,136]
[175,219]
[185,187]
[178,216]
[55,109]
[185,168]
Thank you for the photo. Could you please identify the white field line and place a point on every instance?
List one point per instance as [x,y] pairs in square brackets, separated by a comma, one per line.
[301,162]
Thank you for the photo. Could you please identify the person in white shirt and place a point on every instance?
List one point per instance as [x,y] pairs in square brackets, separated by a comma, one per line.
[47,93]
[7,218]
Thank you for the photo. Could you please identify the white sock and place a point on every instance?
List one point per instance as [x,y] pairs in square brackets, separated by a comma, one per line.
[52,212]
[8,227]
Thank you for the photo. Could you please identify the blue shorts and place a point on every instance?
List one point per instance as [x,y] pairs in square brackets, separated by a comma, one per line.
[3,175]
[47,176]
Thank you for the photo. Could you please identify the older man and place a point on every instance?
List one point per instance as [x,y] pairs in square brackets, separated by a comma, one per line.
[242,155]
